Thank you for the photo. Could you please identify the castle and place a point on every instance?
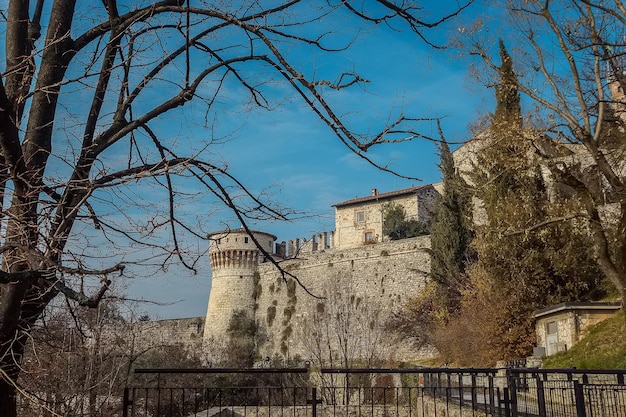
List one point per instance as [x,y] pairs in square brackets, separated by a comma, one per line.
[330,272]
[330,298]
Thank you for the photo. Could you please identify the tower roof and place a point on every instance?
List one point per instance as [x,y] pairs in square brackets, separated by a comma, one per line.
[239,230]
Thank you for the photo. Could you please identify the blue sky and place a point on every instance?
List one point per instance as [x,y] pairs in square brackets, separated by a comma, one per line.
[303,166]
[289,153]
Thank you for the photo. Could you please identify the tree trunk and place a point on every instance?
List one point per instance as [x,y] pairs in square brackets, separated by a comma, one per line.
[8,381]
[8,403]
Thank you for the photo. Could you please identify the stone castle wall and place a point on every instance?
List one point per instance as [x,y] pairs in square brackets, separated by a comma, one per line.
[380,276]
[234,258]
[144,336]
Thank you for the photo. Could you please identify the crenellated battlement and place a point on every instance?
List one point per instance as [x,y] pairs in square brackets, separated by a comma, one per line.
[233,258]
[316,243]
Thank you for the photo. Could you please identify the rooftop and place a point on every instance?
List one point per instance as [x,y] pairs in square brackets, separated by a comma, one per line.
[591,305]
[383,196]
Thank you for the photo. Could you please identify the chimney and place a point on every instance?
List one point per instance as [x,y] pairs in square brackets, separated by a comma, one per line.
[374,192]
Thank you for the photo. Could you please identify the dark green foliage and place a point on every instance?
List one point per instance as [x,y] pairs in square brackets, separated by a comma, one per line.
[258,287]
[508,107]
[451,233]
[396,225]
[241,325]
[242,333]
[271,315]
[519,267]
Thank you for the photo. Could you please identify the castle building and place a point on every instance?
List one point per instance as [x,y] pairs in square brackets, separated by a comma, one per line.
[234,257]
[360,220]
[352,267]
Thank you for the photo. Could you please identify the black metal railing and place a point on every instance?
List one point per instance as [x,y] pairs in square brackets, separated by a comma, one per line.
[565,393]
[303,392]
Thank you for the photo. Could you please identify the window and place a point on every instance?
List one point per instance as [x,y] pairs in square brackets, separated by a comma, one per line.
[360,217]
[245,240]
[369,237]
[552,327]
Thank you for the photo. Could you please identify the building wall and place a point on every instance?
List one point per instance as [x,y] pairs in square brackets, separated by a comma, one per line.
[572,326]
[381,276]
[354,221]
[142,336]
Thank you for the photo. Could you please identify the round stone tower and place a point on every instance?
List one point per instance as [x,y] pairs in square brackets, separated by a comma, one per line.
[234,259]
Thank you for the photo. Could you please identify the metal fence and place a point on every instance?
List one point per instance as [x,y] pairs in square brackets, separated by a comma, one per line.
[303,392]
[564,393]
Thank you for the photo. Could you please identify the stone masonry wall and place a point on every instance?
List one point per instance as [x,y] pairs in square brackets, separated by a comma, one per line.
[133,338]
[387,274]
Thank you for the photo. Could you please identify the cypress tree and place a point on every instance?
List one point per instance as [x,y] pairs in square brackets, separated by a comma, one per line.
[450,232]
[508,103]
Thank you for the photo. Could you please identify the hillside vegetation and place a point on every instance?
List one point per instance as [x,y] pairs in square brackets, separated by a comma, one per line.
[604,347]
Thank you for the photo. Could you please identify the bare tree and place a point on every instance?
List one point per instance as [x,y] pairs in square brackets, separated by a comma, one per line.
[346,328]
[569,59]
[79,132]
[78,360]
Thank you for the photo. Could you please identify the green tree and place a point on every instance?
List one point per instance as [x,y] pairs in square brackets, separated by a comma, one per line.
[450,236]
[451,233]
[508,101]
[242,340]
[396,226]
[576,87]
[515,273]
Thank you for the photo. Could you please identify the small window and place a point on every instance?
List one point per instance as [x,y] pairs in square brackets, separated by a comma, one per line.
[219,241]
[245,239]
[369,237]
[360,217]
[552,328]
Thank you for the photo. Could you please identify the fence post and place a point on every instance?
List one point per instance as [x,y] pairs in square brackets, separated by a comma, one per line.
[314,401]
[579,395]
[474,393]
[492,402]
[125,402]
[512,382]
[460,376]
[541,398]
[507,403]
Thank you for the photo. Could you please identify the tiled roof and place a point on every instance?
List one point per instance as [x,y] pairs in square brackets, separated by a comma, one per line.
[384,196]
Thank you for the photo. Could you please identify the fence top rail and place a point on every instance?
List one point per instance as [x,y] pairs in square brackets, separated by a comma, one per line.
[465,371]
[568,371]
[221,370]
[455,371]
